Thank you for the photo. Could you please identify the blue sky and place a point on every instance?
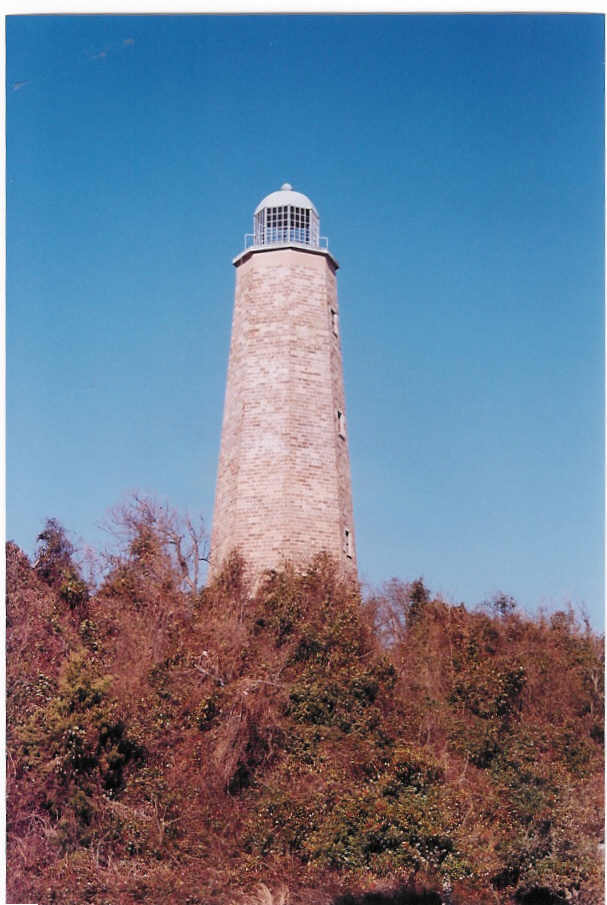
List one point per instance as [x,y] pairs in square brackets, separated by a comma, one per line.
[457,165]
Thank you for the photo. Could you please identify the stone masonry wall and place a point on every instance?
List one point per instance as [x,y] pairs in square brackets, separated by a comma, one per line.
[283,484]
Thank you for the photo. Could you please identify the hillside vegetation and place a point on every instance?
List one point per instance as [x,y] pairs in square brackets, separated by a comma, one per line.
[173,745]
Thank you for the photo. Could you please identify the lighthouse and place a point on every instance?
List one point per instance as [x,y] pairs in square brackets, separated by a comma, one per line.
[283,488]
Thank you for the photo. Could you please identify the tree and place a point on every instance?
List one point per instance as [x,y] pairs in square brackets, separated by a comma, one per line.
[148,527]
[54,554]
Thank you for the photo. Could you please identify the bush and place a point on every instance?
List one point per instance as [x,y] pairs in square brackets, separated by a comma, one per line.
[172,746]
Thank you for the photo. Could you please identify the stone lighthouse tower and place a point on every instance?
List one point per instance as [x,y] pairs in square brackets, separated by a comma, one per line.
[283,484]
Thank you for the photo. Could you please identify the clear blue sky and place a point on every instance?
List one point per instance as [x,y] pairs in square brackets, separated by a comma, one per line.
[457,166]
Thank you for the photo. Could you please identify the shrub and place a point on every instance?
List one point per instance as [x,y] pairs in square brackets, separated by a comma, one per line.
[172,746]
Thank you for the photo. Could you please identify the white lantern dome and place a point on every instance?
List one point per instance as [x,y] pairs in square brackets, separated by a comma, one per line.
[284,197]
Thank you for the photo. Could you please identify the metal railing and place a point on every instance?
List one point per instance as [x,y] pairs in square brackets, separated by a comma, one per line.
[285,237]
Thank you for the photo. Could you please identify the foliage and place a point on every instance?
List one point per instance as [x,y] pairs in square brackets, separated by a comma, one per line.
[173,745]
[55,565]
[54,554]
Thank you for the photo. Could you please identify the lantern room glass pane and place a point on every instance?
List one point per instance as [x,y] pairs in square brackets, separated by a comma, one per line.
[283,225]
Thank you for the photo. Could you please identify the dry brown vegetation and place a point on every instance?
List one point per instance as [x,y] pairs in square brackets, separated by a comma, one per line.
[173,745]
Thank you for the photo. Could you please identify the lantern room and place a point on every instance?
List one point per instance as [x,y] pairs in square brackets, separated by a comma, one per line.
[285,217]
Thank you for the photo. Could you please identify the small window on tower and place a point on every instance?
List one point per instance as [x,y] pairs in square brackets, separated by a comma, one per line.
[348,543]
[341,424]
[334,322]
